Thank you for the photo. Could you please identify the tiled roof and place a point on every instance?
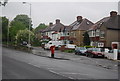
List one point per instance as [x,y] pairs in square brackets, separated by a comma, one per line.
[113,23]
[108,22]
[83,25]
[67,28]
[46,29]
[99,23]
[56,27]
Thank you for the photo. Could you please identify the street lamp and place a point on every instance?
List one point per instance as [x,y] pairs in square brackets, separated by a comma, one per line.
[8,32]
[29,22]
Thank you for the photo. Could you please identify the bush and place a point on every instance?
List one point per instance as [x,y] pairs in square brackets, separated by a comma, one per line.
[87,46]
[69,51]
[36,42]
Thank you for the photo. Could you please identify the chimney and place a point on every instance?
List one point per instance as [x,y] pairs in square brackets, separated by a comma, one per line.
[113,13]
[57,21]
[79,18]
[50,24]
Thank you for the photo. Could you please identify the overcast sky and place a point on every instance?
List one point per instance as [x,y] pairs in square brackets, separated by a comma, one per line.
[45,12]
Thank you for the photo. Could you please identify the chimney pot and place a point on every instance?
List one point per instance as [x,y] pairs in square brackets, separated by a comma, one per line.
[113,13]
[50,24]
[57,21]
[79,18]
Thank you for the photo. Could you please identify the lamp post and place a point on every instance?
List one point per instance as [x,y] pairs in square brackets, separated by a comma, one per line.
[29,22]
[8,32]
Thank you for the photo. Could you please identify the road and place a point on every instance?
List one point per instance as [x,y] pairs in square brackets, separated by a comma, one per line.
[21,65]
[13,69]
[100,62]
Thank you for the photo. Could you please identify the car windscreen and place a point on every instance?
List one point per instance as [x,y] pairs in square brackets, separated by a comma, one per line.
[96,49]
[82,48]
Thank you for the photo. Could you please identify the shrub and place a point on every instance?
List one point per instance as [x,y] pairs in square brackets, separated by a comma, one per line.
[69,51]
[87,46]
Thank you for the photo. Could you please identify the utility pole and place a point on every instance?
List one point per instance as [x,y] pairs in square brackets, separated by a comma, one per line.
[29,22]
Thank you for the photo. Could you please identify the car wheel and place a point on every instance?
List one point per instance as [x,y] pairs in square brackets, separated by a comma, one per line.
[44,48]
[76,53]
[86,55]
[91,55]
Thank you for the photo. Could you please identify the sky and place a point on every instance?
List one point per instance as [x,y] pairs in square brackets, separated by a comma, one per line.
[66,11]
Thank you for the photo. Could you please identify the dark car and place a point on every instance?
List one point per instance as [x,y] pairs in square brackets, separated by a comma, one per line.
[94,52]
[80,50]
[119,54]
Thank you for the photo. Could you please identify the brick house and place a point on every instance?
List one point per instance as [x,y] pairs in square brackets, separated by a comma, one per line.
[105,31]
[78,28]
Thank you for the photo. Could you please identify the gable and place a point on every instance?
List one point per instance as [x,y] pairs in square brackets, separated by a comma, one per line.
[84,25]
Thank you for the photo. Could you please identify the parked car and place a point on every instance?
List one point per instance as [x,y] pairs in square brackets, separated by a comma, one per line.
[80,50]
[94,52]
[119,54]
[70,46]
[53,43]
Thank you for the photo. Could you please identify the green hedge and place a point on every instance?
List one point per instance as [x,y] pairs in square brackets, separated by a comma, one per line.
[87,46]
[69,51]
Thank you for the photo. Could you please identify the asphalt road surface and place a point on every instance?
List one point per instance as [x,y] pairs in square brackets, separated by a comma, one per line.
[13,69]
[21,65]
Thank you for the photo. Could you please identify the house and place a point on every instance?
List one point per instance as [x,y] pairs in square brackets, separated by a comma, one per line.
[105,31]
[53,31]
[39,34]
[65,34]
[78,28]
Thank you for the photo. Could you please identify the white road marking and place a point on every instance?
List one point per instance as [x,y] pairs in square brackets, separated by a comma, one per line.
[60,74]
[73,73]
[49,69]
[34,65]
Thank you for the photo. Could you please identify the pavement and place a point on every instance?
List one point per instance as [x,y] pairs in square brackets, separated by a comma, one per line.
[100,62]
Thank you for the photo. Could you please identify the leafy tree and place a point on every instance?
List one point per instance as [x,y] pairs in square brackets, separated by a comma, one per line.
[41,26]
[23,35]
[4,28]
[86,39]
[3,3]
[15,27]
[23,19]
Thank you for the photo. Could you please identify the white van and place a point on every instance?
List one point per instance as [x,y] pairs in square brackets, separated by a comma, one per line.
[53,43]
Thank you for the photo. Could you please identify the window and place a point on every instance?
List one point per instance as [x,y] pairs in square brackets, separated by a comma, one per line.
[93,33]
[97,32]
[102,34]
[74,34]
[100,44]
[77,23]
[87,23]
[50,43]
[90,34]
[100,23]
[68,33]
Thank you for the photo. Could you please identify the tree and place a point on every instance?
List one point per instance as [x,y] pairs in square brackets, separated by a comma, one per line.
[23,19]
[23,35]
[4,28]
[3,3]
[15,27]
[41,26]
[86,39]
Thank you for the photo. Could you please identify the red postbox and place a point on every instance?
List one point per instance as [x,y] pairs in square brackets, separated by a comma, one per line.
[52,49]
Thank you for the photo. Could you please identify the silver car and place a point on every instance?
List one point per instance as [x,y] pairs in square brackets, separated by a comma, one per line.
[80,50]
